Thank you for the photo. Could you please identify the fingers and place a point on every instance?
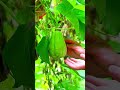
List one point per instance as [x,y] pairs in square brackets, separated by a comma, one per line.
[71,64]
[75,64]
[82,56]
[104,88]
[77,49]
[97,81]
[99,49]
[71,53]
[94,69]
[90,86]
[69,61]
[75,60]
[115,72]
[94,83]
[78,63]
[104,57]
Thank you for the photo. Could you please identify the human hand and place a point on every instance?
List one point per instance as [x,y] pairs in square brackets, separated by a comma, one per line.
[114,72]
[99,56]
[93,83]
[101,59]
[75,64]
[75,51]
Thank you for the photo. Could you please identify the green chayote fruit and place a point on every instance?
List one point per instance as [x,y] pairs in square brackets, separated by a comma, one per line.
[57,45]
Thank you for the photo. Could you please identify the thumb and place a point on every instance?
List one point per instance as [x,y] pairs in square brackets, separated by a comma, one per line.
[115,72]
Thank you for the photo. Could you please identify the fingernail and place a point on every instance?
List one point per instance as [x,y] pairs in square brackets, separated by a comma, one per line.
[82,55]
[114,69]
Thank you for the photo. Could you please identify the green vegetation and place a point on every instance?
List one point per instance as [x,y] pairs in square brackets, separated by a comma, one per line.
[67,17]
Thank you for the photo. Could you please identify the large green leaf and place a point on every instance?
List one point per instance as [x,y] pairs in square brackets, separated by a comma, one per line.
[80,15]
[19,55]
[8,30]
[100,6]
[81,1]
[24,15]
[81,31]
[42,49]
[112,18]
[72,2]
[72,14]
[65,7]
[108,11]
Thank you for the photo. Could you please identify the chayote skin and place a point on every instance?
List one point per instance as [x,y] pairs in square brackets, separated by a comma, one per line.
[57,45]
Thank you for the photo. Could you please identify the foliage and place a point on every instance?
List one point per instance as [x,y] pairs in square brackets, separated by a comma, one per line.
[105,21]
[18,49]
[67,16]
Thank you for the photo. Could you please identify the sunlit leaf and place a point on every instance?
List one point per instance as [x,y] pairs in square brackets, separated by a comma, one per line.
[19,53]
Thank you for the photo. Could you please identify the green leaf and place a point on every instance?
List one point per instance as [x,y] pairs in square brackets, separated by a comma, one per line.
[74,21]
[72,2]
[108,13]
[18,55]
[115,45]
[7,83]
[81,73]
[80,15]
[42,49]
[112,18]
[64,7]
[80,7]
[8,30]
[75,16]
[81,33]
[7,9]
[24,15]
[81,1]
[100,6]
